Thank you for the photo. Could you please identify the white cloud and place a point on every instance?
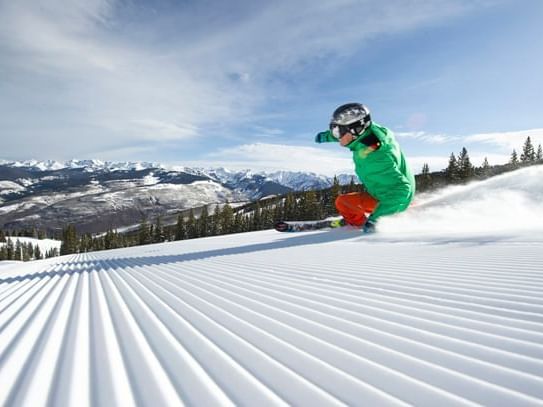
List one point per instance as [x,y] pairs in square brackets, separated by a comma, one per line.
[158,130]
[429,138]
[436,163]
[268,132]
[509,140]
[264,156]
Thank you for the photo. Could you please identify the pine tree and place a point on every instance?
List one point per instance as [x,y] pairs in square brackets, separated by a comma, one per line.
[192,230]
[465,168]
[425,169]
[18,252]
[144,233]
[238,225]
[86,243]
[69,240]
[279,210]
[158,232]
[214,223]
[528,153]
[485,168]
[3,252]
[37,252]
[539,154]
[3,236]
[53,252]
[452,170]
[425,178]
[256,222]
[290,207]
[203,222]
[227,219]
[513,161]
[267,217]
[335,191]
[309,206]
[27,252]
[108,240]
[180,228]
[352,185]
[10,250]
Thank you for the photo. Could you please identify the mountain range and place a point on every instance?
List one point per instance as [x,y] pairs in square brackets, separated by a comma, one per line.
[96,195]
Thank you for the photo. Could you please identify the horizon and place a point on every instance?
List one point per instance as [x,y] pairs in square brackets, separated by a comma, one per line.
[200,86]
[81,163]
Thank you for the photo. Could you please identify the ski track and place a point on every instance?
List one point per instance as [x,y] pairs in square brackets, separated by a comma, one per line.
[255,319]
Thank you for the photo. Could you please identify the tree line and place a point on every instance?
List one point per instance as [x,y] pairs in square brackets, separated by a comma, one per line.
[224,219]
[30,232]
[460,169]
[10,250]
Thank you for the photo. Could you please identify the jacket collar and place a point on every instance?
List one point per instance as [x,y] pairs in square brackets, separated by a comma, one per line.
[356,144]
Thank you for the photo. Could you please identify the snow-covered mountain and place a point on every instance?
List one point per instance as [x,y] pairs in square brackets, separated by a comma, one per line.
[88,165]
[443,306]
[97,195]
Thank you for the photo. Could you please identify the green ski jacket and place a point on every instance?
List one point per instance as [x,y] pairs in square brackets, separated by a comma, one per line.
[381,167]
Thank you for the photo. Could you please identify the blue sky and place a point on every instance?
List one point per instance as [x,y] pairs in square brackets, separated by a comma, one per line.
[247,85]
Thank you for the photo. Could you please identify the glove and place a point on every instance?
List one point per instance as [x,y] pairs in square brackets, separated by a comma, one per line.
[369,226]
[322,137]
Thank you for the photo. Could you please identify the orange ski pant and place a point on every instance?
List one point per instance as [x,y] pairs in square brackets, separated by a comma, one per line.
[355,207]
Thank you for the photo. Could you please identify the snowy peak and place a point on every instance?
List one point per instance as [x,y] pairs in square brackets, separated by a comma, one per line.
[87,165]
[49,165]
[300,180]
[295,180]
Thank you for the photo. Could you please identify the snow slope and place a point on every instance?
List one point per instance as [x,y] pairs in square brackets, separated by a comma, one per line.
[443,315]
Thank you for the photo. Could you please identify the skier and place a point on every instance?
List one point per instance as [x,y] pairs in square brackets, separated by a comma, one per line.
[379,164]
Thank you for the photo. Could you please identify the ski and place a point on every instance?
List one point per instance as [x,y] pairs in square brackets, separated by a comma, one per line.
[303,226]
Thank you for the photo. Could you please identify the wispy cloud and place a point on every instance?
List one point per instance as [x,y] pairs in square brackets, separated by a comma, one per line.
[159,130]
[508,140]
[127,71]
[268,132]
[429,138]
[265,156]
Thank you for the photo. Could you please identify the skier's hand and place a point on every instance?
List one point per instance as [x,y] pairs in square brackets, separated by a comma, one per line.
[322,137]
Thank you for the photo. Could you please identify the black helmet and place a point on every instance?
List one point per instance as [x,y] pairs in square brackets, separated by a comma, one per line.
[352,117]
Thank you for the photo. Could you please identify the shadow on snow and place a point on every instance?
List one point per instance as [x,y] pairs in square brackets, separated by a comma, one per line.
[77,267]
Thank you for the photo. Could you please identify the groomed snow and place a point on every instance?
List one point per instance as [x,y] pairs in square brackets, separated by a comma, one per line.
[430,311]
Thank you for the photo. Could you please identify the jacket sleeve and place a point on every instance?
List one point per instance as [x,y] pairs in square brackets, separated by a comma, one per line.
[394,192]
[325,137]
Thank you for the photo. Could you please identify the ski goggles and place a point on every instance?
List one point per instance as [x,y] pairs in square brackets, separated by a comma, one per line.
[338,131]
